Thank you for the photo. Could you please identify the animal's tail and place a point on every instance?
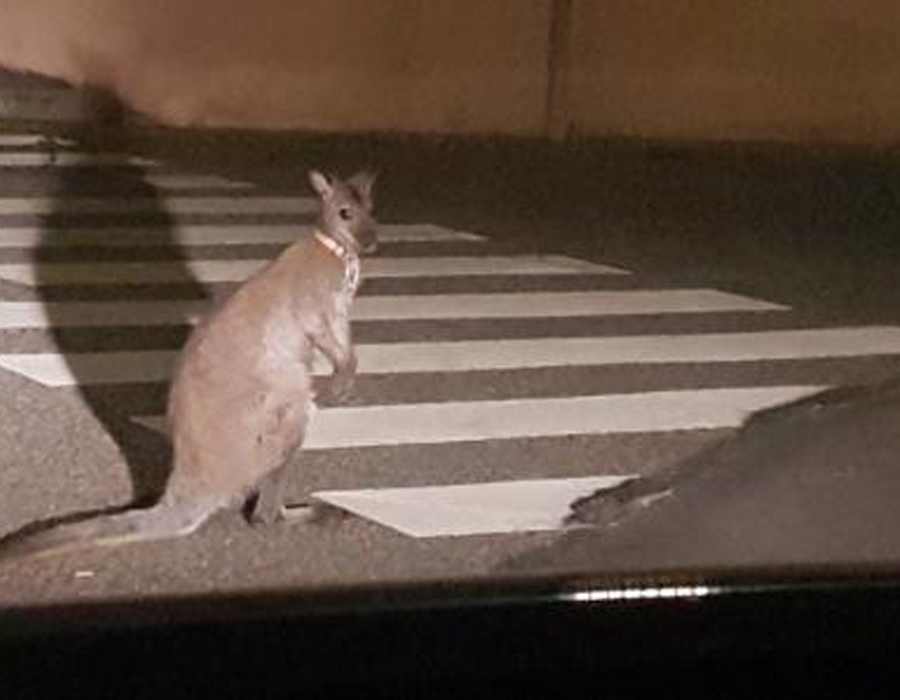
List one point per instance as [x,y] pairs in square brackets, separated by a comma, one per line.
[162,521]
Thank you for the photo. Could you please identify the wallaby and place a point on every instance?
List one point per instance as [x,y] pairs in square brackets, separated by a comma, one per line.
[242,393]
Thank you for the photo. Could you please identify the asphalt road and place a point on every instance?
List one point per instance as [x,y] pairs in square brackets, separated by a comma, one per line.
[793,249]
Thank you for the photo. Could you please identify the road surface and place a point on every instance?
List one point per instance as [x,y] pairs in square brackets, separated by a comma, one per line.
[508,365]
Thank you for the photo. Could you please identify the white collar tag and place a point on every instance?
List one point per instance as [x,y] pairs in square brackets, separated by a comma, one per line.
[351,260]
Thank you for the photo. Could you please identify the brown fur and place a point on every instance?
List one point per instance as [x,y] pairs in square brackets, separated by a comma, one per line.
[242,394]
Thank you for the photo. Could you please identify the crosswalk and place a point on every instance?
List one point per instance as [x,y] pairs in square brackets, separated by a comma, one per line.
[68,159]
[34,236]
[491,355]
[515,383]
[136,206]
[220,271]
[31,314]
[449,421]
[39,140]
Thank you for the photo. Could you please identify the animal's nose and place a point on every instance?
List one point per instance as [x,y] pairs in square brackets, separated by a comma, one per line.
[370,242]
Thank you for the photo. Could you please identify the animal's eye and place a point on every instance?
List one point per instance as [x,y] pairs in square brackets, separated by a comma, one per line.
[345,213]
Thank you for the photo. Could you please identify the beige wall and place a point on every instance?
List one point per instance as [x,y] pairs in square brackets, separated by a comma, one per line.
[798,69]
[411,65]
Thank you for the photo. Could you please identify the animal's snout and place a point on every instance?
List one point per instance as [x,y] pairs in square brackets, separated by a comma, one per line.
[368,243]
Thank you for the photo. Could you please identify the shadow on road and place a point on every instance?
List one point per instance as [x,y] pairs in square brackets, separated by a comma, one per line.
[148,455]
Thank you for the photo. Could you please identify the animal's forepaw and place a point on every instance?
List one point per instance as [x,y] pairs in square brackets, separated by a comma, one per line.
[338,390]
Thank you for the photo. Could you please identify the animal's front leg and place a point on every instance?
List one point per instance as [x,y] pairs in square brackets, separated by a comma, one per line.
[333,339]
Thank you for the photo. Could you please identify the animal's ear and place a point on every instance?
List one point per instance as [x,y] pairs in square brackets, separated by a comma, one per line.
[363,183]
[320,183]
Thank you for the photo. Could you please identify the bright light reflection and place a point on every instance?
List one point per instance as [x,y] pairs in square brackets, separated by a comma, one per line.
[602,595]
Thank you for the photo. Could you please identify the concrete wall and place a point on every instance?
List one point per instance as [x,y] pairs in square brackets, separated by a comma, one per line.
[410,65]
[797,69]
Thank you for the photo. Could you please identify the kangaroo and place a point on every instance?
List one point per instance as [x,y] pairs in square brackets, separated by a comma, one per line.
[242,394]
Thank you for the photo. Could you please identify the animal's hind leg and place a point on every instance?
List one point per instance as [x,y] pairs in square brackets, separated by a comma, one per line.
[281,434]
[266,507]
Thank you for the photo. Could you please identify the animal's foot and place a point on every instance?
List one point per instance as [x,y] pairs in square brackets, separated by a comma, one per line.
[262,511]
[264,518]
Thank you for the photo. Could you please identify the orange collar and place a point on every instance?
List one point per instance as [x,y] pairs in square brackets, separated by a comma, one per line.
[333,246]
[350,260]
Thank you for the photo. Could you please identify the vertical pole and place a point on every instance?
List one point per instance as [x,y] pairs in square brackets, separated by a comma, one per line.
[559,52]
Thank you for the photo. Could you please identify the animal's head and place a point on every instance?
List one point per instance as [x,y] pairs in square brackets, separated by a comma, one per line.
[347,210]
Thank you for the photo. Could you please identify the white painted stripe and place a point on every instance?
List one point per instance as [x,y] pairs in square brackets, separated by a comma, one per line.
[36,314]
[475,355]
[41,206]
[218,271]
[77,314]
[178,181]
[552,304]
[457,510]
[412,233]
[206,234]
[24,140]
[58,159]
[437,423]
[51,369]
[180,234]
[493,355]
